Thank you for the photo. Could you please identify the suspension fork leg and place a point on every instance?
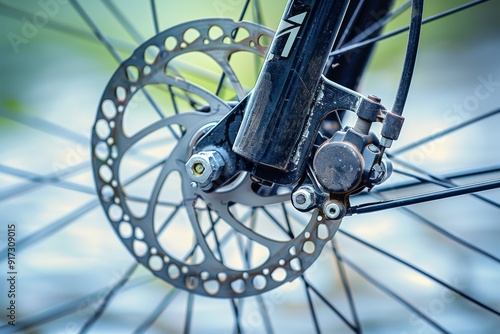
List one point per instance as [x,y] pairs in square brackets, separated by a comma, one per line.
[279,106]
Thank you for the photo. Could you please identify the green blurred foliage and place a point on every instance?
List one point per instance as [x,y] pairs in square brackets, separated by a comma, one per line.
[65,40]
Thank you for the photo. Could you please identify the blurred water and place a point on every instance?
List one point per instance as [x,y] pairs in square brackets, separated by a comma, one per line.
[59,79]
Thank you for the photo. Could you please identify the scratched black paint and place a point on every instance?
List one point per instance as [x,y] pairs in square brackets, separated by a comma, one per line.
[279,106]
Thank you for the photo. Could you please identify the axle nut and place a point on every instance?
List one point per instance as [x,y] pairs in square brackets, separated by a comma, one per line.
[205,166]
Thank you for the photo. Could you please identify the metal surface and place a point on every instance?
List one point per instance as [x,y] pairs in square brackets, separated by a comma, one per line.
[203,270]
[285,91]
[204,167]
[304,198]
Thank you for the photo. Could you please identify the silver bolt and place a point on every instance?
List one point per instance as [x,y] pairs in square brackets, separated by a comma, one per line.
[377,174]
[204,167]
[194,185]
[304,198]
[334,210]
[300,199]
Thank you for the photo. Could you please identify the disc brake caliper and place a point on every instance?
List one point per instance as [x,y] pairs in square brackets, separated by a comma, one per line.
[325,174]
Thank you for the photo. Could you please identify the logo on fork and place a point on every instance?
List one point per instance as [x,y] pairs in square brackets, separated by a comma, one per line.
[290,26]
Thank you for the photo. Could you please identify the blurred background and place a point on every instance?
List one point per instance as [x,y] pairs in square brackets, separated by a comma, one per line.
[52,75]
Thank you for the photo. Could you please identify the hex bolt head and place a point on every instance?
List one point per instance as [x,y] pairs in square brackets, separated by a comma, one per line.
[204,167]
[334,210]
[377,174]
[304,198]
[198,168]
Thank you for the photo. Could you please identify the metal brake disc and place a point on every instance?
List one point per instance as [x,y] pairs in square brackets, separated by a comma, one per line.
[224,222]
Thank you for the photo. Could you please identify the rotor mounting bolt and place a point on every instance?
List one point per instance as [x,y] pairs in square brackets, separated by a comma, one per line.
[334,210]
[304,198]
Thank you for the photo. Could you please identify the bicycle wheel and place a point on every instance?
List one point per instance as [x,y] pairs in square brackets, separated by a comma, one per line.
[420,268]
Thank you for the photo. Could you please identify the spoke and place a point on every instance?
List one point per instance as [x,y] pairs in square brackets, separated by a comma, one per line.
[69,308]
[223,75]
[59,224]
[246,259]
[403,29]
[271,244]
[287,220]
[174,101]
[420,271]
[121,18]
[189,314]
[443,133]
[18,14]
[97,32]
[230,74]
[222,242]
[451,176]
[52,228]
[265,314]
[379,24]
[444,232]
[98,313]
[258,19]
[385,289]
[144,172]
[257,12]
[169,219]
[330,306]
[431,178]
[351,22]
[44,126]
[146,200]
[155,16]
[451,192]
[216,237]
[347,287]
[157,311]
[311,305]
[236,312]
[198,233]
[55,179]
[288,231]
